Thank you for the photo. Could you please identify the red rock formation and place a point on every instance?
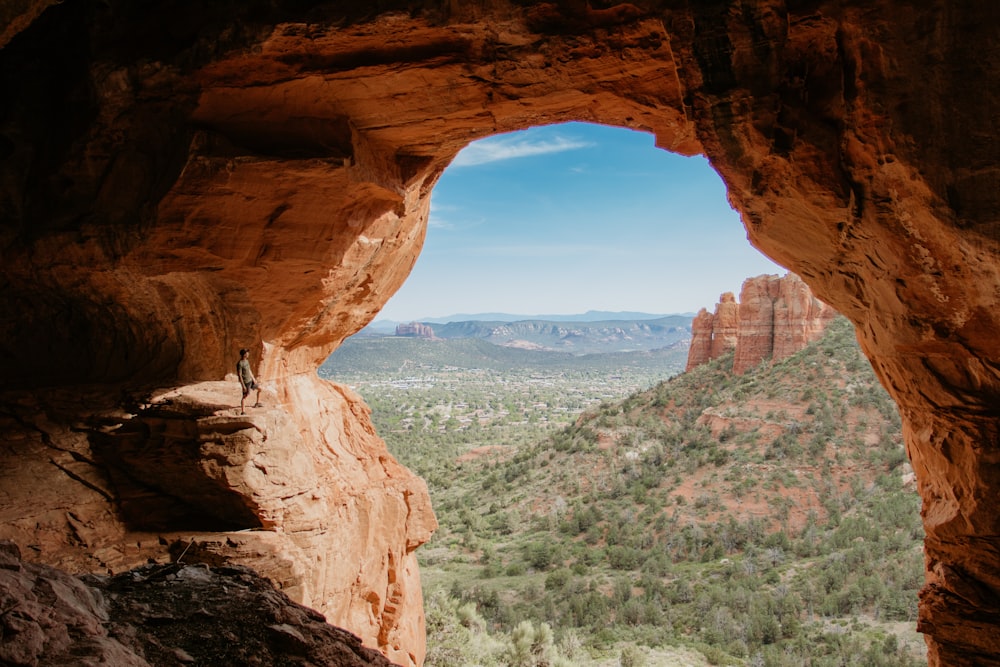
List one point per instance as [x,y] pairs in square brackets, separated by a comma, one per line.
[185,180]
[700,350]
[775,317]
[799,317]
[725,325]
[756,337]
[415,330]
[327,515]
[712,335]
[778,317]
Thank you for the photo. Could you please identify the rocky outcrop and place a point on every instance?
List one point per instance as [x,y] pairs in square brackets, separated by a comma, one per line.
[799,317]
[700,350]
[330,518]
[725,325]
[778,317]
[775,317]
[415,330]
[715,334]
[180,181]
[172,614]
[757,326]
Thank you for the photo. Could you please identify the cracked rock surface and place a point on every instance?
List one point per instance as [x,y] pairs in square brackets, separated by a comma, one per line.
[161,616]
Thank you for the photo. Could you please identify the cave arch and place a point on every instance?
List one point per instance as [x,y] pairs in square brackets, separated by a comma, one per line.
[259,175]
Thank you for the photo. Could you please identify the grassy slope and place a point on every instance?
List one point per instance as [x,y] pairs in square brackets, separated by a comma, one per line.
[767,519]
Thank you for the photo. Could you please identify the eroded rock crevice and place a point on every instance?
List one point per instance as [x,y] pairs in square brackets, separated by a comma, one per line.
[177,183]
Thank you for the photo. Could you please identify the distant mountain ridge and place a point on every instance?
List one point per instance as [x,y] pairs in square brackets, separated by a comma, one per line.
[589,316]
[573,336]
[394,354]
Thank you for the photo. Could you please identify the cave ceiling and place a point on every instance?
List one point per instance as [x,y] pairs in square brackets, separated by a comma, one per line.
[183,179]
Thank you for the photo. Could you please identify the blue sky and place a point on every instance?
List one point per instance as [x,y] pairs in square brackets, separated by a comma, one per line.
[575,217]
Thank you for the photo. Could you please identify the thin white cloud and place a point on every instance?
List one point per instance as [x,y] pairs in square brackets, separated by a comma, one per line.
[458,222]
[439,215]
[495,149]
[545,251]
[435,222]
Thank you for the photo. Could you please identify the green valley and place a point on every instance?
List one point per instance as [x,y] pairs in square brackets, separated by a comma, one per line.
[602,514]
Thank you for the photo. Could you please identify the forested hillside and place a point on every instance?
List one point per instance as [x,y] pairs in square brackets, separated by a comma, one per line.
[766,519]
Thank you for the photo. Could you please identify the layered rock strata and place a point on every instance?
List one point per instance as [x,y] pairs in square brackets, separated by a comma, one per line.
[725,325]
[179,181]
[775,317]
[700,350]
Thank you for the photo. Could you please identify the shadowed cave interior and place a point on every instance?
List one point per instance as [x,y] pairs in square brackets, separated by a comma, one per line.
[182,182]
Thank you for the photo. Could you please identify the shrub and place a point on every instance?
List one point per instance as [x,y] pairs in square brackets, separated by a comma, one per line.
[632,656]
[557,579]
[515,569]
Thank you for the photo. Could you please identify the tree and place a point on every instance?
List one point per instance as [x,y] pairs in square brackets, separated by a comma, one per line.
[531,646]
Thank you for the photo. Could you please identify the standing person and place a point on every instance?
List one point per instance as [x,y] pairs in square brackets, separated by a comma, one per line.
[247,380]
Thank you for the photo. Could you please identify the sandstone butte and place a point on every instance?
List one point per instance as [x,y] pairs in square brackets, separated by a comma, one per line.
[775,317]
[181,180]
[415,330]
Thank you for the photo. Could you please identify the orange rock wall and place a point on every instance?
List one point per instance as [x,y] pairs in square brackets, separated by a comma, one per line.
[757,335]
[799,317]
[179,181]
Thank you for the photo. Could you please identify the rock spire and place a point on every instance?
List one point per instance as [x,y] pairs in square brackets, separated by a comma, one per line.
[775,317]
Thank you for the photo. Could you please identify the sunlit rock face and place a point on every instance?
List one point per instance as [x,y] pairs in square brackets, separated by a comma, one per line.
[775,317]
[308,497]
[778,317]
[700,350]
[183,180]
[725,325]
[714,334]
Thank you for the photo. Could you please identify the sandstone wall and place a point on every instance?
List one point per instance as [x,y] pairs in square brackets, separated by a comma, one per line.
[757,326]
[179,181]
[725,325]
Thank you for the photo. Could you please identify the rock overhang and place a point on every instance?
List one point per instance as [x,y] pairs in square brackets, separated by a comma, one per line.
[259,176]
